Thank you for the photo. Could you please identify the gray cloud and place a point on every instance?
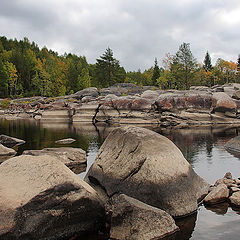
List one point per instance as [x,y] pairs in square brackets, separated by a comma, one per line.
[137,31]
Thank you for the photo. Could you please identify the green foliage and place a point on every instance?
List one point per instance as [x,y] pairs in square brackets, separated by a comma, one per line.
[108,70]
[156,73]
[5,103]
[207,63]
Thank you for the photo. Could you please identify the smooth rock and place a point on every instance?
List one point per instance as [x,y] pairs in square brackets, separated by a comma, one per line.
[132,219]
[223,103]
[235,189]
[6,153]
[217,195]
[149,167]
[8,141]
[65,141]
[40,198]
[233,145]
[235,198]
[71,157]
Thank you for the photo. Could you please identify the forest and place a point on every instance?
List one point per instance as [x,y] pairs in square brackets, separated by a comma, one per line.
[26,70]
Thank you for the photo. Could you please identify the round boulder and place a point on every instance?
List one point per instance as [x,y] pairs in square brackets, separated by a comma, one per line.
[132,219]
[40,198]
[149,167]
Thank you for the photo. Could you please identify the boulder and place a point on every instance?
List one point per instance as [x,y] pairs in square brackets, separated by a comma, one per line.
[217,195]
[132,219]
[65,141]
[5,153]
[233,145]
[150,95]
[10,141]
[149,167]
[40,198]
[90,92]
[223,103]
[235,198]
[71,157]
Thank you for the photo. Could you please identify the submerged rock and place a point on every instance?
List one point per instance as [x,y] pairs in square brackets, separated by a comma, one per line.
[71,157]
[40,198]
[65,141]
[149,167]
[10,141]
[132,219]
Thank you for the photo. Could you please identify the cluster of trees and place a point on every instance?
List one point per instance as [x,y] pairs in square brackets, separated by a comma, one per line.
[27,70]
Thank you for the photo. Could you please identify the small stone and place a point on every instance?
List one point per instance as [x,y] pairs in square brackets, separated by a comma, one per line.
[217,195]
[235,189]
[237,181]
[226,181]
[235,198]
[228,175]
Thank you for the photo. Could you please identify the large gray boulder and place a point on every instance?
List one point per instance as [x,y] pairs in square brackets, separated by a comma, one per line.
[40,198]
[149,167]
[223,103]
[132,219]
[73,158]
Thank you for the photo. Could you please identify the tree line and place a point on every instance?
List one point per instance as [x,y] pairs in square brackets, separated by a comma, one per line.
[27,70]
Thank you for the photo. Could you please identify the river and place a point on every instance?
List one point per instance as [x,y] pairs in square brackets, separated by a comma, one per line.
[202,147]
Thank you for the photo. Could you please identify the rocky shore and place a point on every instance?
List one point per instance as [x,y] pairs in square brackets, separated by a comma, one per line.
[127,103]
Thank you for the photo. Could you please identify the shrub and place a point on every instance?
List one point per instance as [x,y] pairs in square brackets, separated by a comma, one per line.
[5,103]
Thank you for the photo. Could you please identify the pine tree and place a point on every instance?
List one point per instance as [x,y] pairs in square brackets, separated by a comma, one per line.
[186,64]
[156,73]
[108,70]
[238,68]
[207,63]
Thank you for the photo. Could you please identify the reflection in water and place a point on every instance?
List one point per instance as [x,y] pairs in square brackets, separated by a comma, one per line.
[203,148]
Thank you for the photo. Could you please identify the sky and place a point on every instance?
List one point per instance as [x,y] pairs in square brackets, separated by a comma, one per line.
[138,31]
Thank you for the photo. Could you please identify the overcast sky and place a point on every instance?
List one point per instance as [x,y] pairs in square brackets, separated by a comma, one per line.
[136,30]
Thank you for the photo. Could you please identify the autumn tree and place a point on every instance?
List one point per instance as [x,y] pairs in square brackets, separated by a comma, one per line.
[108,70]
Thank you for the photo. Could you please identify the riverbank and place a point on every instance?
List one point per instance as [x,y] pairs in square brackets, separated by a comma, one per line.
[130,104]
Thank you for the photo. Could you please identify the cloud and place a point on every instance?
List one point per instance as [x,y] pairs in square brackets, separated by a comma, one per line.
[137,31]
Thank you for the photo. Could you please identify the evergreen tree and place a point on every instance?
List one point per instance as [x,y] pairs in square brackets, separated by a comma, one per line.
[108,70]
[186,64]
[238,68]
[207,65]
[156,73]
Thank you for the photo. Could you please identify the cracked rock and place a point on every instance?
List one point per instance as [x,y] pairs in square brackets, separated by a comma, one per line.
[149,167]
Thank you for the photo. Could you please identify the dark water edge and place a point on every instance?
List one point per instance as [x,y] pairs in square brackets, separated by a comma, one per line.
[202,147]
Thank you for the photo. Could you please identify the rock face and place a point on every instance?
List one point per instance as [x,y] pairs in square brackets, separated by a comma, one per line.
[40,198]
[217,195]
[71,157]
[6,153]
[132,219]
[149,167]
[10,141]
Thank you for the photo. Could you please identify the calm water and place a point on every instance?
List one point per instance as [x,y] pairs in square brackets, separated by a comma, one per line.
[203,148]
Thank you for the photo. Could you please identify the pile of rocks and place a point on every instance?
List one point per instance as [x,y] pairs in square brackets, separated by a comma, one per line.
[224,189]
